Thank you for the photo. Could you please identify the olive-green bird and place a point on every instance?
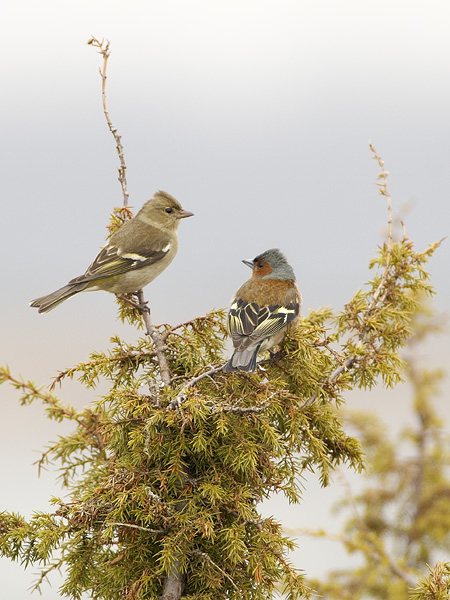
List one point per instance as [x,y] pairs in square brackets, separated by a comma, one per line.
[135,255]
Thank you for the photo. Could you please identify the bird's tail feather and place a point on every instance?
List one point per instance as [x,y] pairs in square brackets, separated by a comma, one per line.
[245,360]
[51,301]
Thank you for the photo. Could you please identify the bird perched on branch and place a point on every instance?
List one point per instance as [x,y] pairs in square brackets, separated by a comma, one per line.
[136,253]
[262,309]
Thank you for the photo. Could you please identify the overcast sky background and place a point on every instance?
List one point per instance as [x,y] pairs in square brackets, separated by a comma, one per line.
[256,115]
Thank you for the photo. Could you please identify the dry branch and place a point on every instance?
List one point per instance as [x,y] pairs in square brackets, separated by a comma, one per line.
[174,583]
[103,49]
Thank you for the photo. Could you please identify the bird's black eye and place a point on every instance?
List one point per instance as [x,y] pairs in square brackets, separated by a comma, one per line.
[169,210]
[260,265]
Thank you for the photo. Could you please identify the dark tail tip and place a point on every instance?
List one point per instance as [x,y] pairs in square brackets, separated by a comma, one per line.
[243,361]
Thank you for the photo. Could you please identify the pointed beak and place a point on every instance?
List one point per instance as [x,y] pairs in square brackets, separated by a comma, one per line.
[249,263]
[183,214]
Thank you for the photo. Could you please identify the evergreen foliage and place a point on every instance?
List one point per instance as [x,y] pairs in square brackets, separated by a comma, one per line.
[400,521]
[162,477]
[436,586]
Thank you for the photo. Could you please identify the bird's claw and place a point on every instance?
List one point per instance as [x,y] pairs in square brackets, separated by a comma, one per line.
[274,356]
[141,307]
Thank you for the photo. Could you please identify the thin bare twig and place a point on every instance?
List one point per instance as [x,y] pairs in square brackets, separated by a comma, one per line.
[383,175]
[243,410]
[380,293]
[181,396]
[172,329]
[216,566]
[247,410]
[103,49]
[382,186]
[131,526]
[332,378]
[153,333]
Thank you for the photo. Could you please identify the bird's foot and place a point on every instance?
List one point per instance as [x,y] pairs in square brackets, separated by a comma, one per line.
[141,307]
[274,356]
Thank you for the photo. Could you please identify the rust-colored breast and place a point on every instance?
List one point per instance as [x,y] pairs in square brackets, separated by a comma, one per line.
[267,292]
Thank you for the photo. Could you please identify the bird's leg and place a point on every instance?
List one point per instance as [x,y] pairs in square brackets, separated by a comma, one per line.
[273,359]
[141,307]
[274,356]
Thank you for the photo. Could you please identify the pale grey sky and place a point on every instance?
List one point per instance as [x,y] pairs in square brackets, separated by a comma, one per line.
[256,115]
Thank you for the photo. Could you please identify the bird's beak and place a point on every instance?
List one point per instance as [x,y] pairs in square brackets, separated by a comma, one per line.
[184,213]
[249,263]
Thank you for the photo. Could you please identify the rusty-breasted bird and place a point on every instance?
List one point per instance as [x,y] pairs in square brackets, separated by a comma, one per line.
[262,309]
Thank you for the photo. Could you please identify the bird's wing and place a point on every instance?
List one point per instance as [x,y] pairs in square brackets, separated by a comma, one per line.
[113,261]
[250,323]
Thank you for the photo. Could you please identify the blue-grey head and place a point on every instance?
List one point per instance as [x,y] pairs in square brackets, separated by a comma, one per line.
[271,264]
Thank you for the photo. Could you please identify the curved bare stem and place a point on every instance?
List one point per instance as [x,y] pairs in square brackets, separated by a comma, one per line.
[103,49]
